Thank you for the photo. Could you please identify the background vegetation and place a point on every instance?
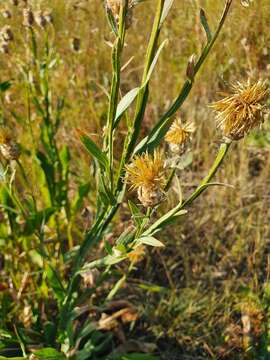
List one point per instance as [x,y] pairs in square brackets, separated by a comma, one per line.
[206,295]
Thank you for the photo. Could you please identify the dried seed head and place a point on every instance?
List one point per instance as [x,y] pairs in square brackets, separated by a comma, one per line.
[6,14]
[14,2]
[76,44]
[146,173]
[40,19]
[48,16]
[179,136]
[7,34]
[150,197]
[90,278]
[10,151]
[190,71]
[245,3]
[4,49]
[243,110]
[28,17]
[115,6]
[27,316]
[8,146]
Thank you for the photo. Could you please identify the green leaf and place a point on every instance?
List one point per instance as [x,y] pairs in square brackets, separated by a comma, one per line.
[116,288]
[49,353]
[166,10]
[100,263]
[205,25]
[124,103]
[154,62]
[48,171]
[164,220]
[5,85]
[13,358]
[150,240]
[65,159]
[94,150]
[81,194]
[137,215]
[55,283]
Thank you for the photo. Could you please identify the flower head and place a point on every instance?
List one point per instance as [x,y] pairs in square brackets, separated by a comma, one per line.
[8,146]
[243,110]
[146,174]
[179,135]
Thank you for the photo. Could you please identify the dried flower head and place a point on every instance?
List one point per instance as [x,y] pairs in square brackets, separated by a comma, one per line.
[146,174]
[243,110]
[179,135]
[27,316]
[15,2]
[114,6]
[8,145]
[7,34]
[28,17]
[48,16]
[75,44]
[40,19]
[6,14]
[4,49]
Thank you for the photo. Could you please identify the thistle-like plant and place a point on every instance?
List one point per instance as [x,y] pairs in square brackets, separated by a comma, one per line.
[141,166]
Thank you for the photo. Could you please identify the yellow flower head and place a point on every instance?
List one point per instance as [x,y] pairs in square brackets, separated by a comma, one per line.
[243,110]
[179,133]
[146,171]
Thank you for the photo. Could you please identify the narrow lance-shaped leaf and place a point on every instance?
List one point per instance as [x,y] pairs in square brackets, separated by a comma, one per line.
[124,104]
[153,64]
[93,149]
[166,9]
[205,25]
[150,240]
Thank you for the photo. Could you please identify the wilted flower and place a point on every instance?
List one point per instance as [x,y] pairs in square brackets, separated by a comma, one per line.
[28,17]
[179,135]
[242,111]
[8,146]
[146,174]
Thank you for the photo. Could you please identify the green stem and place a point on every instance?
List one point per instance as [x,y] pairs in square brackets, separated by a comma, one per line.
[160,129]
[171,215]
[115,87]
[142,98]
